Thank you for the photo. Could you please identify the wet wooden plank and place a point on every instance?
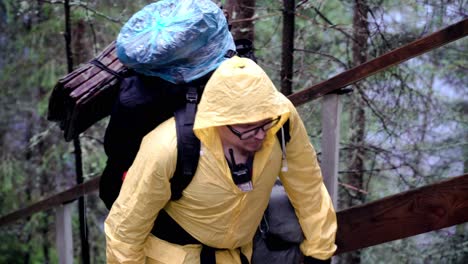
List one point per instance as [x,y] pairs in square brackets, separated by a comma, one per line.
[414,212]
[53,201]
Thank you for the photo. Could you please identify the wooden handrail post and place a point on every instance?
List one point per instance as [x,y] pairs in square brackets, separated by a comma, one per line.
[331,119]
[64,236]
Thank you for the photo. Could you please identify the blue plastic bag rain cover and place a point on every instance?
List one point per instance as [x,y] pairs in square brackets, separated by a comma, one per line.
[176,40]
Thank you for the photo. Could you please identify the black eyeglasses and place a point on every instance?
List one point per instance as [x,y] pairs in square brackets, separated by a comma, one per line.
[254,131]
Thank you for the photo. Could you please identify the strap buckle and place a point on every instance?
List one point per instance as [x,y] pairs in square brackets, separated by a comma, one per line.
[230,53]
[191,96]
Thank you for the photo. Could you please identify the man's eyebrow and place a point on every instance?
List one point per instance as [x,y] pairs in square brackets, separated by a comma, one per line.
[246,125]
[254,124]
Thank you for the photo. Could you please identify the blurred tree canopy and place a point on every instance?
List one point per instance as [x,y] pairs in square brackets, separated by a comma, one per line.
[407,125]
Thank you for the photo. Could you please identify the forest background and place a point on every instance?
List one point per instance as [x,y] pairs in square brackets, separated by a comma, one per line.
[401,129]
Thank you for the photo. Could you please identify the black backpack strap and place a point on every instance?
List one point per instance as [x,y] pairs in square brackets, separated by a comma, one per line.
[188,145]
[169,230]
[103,67]
[230,53]
[287,135]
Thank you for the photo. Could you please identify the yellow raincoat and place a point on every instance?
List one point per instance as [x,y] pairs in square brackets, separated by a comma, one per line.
[213,209]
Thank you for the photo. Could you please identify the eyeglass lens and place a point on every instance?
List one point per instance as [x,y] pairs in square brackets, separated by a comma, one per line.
[251,133]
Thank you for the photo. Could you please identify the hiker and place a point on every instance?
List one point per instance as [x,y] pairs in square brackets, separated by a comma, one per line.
[240,159]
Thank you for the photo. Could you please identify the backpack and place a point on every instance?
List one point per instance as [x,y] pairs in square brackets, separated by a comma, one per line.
[279,235]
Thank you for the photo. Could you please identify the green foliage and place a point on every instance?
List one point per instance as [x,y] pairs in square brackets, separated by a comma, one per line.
[11,251]
[12,172]
[267,41]
[446,247]
[28,241]
[35,161]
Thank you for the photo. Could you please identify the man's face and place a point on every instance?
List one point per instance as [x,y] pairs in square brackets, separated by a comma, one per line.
[247,137]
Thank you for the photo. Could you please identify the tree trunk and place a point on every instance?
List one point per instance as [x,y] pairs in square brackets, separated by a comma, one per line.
[76,141]
[287,57]
[356,156]
[240,15]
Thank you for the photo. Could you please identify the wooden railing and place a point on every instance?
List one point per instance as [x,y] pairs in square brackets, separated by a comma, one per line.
[418,211]
[406,214]
[406,52]
[51,202]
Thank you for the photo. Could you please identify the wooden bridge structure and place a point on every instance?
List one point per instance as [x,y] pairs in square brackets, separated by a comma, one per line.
[406,214]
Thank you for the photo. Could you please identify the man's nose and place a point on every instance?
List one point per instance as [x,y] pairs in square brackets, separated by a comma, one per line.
[260,134]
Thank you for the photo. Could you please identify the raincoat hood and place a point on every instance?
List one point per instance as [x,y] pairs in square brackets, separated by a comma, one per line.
[239,92]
